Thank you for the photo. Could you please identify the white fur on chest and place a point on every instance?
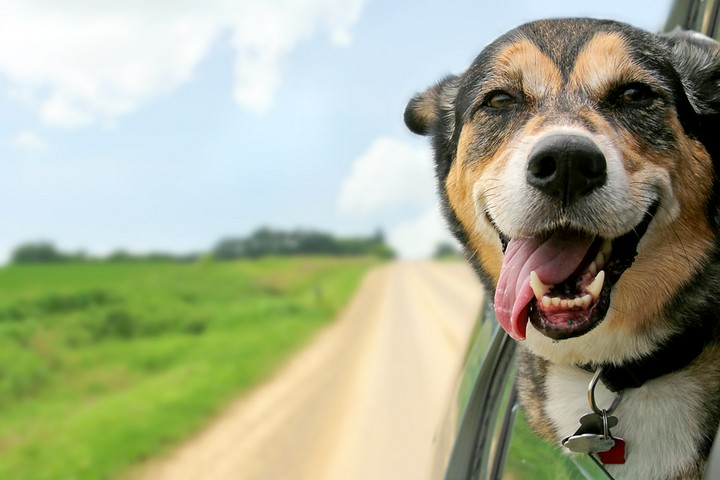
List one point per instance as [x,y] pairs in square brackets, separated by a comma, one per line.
[659,421]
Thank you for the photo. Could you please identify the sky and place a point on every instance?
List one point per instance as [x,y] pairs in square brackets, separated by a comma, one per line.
[168,125]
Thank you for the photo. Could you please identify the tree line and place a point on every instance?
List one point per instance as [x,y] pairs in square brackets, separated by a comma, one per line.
[263,242]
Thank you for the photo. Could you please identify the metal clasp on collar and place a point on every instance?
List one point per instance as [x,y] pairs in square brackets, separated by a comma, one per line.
[591,396]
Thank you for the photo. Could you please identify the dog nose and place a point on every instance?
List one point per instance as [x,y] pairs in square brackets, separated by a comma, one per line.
[566,167]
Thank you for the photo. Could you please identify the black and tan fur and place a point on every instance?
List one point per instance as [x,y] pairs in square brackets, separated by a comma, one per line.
[573,75]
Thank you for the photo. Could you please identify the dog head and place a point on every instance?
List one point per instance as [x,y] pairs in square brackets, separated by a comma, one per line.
[575,162]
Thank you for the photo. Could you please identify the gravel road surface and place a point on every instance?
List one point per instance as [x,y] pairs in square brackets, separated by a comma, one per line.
[361,401]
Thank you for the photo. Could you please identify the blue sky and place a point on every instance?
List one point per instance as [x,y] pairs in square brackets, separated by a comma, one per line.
[168,125]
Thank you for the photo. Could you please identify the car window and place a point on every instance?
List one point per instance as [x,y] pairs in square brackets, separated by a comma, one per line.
[485,329]
[529,456]
[701,16]
[492,437]
[483,347]
[517,452]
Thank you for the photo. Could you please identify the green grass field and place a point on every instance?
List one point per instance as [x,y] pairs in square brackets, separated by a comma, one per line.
[105,365]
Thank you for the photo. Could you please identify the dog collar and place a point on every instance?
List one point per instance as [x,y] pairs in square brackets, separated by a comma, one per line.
[675,354]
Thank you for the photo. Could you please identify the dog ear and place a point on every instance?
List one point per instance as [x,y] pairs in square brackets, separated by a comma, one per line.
[426,111]
[697,60]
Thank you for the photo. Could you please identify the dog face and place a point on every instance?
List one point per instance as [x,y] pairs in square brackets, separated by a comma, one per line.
[575,162]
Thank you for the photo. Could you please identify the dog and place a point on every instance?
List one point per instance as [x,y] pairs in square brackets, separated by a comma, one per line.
[578,165]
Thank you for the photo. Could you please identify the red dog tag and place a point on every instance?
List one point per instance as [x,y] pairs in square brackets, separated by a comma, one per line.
[614,456]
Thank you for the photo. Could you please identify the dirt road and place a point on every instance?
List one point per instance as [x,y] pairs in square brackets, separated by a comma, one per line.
[362,401]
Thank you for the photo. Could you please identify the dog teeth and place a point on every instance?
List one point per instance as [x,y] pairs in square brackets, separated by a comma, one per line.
[595,287]
[539,288]
[592,291]
[586,300]
[567,303]
[600,260]
[592,269]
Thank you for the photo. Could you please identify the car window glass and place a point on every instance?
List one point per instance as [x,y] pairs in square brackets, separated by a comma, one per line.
[479,344]
[699,15]
[486,328]
[529,456]
[504,422]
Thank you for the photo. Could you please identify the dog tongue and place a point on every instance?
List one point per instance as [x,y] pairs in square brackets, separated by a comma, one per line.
[554,259]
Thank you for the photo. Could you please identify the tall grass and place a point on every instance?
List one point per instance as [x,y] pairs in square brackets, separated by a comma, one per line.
[103,365]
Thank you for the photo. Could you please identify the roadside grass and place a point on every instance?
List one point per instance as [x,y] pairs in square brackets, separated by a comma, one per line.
[105,365]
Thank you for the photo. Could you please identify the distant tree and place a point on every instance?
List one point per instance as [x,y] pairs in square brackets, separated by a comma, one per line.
[75,257]
[229,248]
[123,256]
[119,256]
[161,257]
[379,236]
[316,243]
[446,250]
[267,241]
[262,242]
[36,252]
[382,250]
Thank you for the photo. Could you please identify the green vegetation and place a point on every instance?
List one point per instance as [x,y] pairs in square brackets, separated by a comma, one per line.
[43,252]
[532,457]
[267,241]
[447,251]
[103,365]
[261,243]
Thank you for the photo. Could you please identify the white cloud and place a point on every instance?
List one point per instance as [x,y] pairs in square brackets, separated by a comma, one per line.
[390,174]
[393,174]
[266,32]
[29,141]
[419,237]
[81,62]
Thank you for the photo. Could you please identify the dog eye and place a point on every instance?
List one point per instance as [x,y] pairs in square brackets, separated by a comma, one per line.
[636,94]
[499,100]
